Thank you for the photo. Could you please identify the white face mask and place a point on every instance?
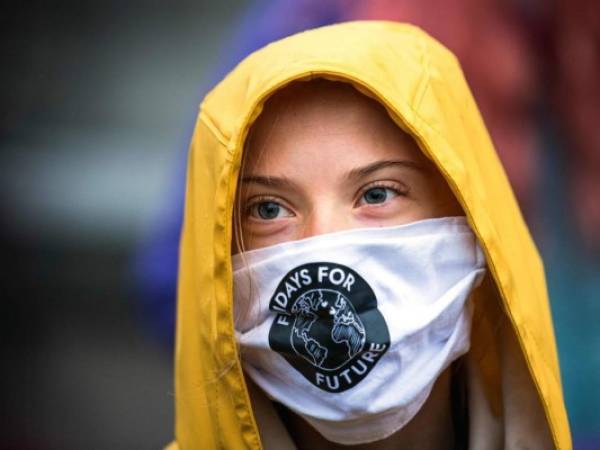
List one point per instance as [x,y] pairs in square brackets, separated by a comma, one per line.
[351,329]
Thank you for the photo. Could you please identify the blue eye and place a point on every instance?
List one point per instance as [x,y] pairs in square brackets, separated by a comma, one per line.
[269,210]
[378,195]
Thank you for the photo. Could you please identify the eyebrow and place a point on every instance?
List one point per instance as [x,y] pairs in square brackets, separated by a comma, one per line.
[356,173]
[272,182]
[361,172]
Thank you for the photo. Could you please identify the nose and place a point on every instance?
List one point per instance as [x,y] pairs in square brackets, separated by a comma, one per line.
[324,219]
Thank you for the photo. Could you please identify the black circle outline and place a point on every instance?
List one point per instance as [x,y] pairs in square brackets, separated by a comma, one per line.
[363,300]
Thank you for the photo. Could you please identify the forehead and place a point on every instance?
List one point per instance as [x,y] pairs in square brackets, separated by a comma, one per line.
[325,123]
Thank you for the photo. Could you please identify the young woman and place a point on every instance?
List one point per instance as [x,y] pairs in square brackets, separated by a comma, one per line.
[354,268]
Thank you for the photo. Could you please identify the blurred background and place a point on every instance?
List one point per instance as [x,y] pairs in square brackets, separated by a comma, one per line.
[98,103]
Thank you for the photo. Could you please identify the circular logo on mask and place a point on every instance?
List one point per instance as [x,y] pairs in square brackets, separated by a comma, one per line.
[328,326]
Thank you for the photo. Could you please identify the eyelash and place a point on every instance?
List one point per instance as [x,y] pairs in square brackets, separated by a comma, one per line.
[398,189]
[255,201]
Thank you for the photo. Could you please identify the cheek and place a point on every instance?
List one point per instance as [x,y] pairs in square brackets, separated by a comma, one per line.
[399,211]
[264,235]
[437,200]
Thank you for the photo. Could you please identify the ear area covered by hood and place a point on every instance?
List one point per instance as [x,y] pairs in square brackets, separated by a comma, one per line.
[421,85]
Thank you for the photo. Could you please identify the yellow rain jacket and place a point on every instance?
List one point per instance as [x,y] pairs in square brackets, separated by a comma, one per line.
[514,387]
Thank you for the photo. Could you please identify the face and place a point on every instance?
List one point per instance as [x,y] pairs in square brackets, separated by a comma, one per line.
[324,158]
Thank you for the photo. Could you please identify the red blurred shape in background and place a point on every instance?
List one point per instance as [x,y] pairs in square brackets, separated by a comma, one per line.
[518,56]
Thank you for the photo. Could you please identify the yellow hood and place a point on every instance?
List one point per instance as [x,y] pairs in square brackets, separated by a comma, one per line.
[422,86]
